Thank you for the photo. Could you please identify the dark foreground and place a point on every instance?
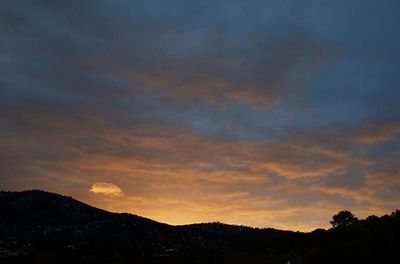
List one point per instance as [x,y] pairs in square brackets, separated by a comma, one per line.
[42,227]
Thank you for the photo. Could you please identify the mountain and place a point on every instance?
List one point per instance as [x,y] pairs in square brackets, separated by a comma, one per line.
[42,227]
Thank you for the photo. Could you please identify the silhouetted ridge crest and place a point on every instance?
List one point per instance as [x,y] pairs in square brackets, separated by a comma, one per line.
[43,207]
[43,227]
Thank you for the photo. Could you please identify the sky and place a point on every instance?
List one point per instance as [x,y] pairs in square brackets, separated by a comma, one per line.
[273,113]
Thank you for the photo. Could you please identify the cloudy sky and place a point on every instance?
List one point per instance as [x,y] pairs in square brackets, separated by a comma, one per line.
[263,113]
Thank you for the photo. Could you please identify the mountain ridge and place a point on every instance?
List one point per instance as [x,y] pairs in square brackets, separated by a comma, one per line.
[42,227]
[39,193]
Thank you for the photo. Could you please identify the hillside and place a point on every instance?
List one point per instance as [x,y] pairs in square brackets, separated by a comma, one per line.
[42,227]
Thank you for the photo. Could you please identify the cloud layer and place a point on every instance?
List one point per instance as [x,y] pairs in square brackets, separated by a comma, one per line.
[264,113]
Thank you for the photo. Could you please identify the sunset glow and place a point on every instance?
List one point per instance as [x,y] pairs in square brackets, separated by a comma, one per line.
[259,113]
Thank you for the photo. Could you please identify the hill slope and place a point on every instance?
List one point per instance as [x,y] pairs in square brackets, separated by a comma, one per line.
[42,227]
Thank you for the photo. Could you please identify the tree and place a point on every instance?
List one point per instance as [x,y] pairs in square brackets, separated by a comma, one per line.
[395,214]
[343,218]
[372,218]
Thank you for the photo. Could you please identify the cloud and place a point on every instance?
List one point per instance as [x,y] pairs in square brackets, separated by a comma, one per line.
[106,188]
[244,112]
[376,133]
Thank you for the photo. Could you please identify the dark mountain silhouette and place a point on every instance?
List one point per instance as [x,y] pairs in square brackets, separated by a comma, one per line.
[42,227]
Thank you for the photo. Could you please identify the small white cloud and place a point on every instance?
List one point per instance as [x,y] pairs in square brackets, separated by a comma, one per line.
[106,188]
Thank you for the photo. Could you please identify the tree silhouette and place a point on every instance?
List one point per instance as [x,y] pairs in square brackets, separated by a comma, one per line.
[343,218]
[395,214]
